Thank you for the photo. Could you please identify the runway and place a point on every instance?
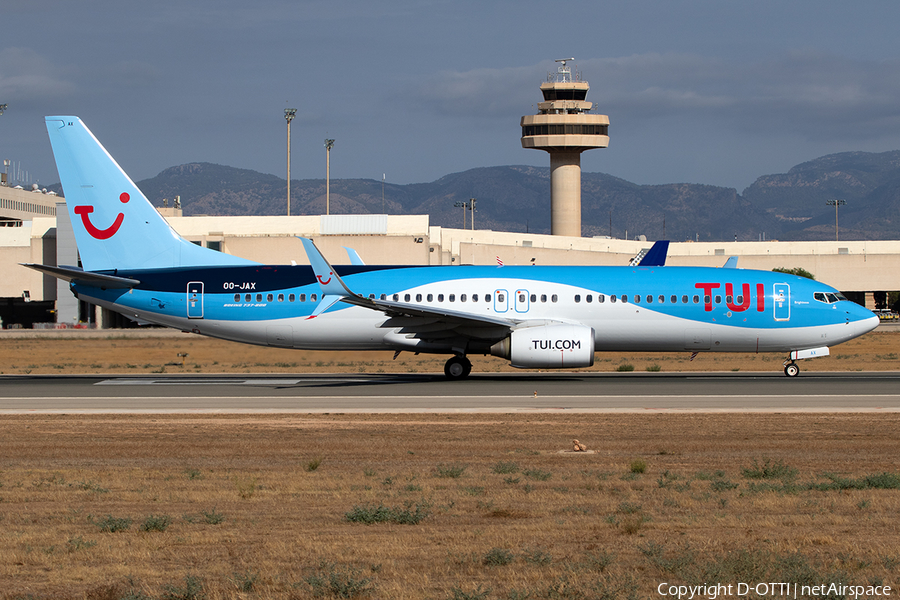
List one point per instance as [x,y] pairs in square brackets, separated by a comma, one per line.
[506,392]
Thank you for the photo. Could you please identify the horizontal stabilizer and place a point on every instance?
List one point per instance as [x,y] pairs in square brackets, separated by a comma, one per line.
[80,276]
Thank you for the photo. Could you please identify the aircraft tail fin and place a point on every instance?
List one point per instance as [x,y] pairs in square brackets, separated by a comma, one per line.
[656,256]
[115,225]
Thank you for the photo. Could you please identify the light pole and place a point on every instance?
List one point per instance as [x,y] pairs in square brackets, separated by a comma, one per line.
[289,114]
[472,208]
[3,107]
[329,144]
[382,192]
[464,206]
[835,204]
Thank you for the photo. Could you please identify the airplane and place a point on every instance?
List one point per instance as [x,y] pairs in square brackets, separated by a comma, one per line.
[536,317]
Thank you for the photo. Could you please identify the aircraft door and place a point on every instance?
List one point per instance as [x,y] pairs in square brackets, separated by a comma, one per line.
[501,301]
[781,297]
[195,300]
[521,301]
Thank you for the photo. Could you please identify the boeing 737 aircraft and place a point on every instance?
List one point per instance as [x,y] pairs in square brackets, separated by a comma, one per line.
[542,317]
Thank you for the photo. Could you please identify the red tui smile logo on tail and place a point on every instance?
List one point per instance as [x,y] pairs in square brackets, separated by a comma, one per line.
[101,234]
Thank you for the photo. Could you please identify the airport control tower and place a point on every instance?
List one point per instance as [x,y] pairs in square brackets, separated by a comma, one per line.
[564,128]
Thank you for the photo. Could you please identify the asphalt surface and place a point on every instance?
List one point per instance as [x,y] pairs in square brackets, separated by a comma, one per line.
[507,392]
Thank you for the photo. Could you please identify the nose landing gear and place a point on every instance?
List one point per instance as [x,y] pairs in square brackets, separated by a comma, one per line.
[457,367]
[791,369]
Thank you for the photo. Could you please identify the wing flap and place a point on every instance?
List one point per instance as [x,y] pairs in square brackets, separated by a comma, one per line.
[80,276]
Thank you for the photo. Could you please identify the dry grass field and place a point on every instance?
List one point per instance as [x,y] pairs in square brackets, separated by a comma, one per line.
[442,506]
[158,351]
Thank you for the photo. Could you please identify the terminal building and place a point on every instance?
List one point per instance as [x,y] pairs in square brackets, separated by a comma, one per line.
[37,230]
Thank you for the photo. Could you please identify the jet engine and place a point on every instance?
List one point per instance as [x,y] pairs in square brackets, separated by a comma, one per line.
[548,347]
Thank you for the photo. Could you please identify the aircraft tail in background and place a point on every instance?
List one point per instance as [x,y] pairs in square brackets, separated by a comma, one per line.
[115,225]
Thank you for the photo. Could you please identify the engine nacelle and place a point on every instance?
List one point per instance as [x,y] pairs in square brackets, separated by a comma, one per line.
[548,347]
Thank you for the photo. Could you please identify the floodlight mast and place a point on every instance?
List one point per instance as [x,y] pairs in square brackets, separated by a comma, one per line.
[289,114]
[329,144]
[835,204]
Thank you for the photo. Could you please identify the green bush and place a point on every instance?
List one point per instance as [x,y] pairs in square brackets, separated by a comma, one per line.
[769,469]
[624,368]
[637,466]
[156,523]
[450,471]
[111,524]
[409,514]
[338,581]
[498,557]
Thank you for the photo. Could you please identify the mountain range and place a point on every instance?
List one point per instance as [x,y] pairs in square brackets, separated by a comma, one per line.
[785,206]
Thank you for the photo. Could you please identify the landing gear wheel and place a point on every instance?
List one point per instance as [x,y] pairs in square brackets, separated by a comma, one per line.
[791,369]
[457,367]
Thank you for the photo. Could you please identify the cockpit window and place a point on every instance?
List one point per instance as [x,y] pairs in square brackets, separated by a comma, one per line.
[829,297]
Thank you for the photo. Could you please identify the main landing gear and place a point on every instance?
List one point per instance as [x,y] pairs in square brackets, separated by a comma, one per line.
[457,367]
[791,369]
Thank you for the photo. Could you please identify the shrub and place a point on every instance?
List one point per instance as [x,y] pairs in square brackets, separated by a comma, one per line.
[637,466]
[497,557]
[192,590]
[340,581]
[212,517]
[537,474]
[410,514]
[111,524]
[156,523]
[625,367]
[450,471]
[769,469]
[505,468]
[654,368]
[313,464]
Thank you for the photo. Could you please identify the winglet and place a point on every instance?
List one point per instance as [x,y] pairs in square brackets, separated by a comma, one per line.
[656,256]
[731,263]
[332,286]
[354,257]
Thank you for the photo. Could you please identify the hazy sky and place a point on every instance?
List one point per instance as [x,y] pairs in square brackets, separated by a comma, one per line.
[714,92]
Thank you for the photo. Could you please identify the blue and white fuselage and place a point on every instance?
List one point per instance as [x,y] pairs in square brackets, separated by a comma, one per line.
[535,316]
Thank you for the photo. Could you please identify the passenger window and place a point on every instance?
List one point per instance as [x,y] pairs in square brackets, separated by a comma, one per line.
[269,297]
[649,299]
[281,297]
[462,297]
[429,298]
[302,297]
[291,297]
[577,297]
[662,299]
[543,297]
[728,299]
[474,297]
[247,298]
[589,298]
[522,298]
[637,299]
[501,298]
[312,297]
[259,297]
[371,296]
[553,298]
[237,297]
[533,298]
[718,299]
[625,298]
[406,298]
[440,297]
[384,296]
[697,299]
[452,298]
[684,299]
[740,300]
[612,298]
[418,297]
[601,298]
[396,297]
[707,299]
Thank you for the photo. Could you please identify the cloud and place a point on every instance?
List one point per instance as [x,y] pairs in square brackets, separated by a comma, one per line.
[811,94]
[26,76]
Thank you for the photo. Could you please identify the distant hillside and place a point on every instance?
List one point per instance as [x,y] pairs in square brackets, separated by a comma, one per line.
[787,206]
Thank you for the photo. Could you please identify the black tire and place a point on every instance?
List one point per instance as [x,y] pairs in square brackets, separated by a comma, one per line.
[457,367]
[791,370]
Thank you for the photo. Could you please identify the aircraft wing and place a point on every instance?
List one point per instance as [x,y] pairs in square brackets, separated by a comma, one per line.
[76,275]
[451,317]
